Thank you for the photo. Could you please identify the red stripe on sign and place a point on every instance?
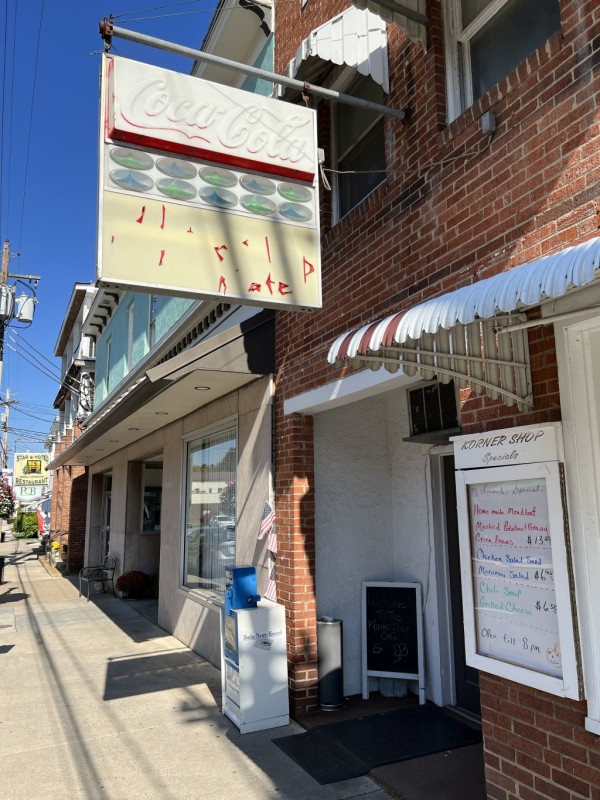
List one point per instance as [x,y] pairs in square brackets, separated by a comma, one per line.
[192,151]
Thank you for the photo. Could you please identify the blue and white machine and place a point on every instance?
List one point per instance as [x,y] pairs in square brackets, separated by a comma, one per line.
[255,679]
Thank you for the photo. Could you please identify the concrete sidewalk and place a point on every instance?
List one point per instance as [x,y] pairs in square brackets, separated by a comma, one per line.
[96,701]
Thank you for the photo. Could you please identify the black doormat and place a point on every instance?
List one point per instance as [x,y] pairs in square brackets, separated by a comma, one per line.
[344,750]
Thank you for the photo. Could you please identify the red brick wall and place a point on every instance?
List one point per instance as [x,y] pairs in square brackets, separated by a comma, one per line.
[296,553]
[424,232]
[536,745]
[454,208]
[481,413]
[77,519]
[59,504]
[69,505]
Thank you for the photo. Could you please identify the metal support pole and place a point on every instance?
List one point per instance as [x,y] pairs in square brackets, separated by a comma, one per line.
[108,30]
[3,284]
[7,404]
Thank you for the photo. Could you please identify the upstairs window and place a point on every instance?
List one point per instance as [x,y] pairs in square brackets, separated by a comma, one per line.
[152,322]
[360,146]
[130,323]
[487,39]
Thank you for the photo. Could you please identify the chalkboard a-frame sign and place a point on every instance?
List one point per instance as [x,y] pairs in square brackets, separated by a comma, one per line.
[392,625]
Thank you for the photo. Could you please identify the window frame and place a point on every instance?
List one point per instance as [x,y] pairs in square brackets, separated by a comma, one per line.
[130,333]
[152,301]
[459,85]
[147,465]
[344,84]
[194,440]
[107,364]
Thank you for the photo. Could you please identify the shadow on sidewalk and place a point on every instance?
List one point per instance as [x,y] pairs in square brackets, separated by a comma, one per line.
[157,672]
[12,596]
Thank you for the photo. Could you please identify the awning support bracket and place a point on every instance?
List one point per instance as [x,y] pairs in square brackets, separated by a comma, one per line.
[525,403]
[474,355]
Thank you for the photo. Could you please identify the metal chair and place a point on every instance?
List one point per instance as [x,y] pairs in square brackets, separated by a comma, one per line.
[100,573]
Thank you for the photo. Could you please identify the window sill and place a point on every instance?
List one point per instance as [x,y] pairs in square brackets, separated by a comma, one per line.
[204,598]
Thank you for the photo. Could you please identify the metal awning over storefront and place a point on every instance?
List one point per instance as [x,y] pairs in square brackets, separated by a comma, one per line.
[354,38]
[476,335]
[175,388]
[406,14]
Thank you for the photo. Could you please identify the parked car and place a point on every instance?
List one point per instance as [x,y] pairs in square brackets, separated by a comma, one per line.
[223,521]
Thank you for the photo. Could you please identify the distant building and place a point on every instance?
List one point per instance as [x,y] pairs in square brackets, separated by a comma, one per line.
[72,402]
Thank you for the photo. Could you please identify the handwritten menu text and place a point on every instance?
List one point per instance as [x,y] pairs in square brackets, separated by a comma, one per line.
[513,576]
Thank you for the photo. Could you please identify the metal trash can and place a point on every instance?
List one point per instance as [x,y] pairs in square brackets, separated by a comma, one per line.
[2,560]
[330,663]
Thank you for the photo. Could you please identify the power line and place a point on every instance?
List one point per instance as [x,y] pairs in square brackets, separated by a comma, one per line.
[32,416]
[211,10]
[37,54]
[155,8]
[24,341]
[32,406]
[33,364]
[3,101]
[21,351]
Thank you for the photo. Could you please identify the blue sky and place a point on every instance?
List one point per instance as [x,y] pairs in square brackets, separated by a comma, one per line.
[48,177]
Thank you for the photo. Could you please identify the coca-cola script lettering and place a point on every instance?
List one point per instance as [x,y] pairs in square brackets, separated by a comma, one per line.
[213,118]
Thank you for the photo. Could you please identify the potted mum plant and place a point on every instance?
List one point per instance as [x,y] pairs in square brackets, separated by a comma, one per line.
[134,584]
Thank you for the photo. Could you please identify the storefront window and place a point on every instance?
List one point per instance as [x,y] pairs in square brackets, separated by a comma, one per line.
[152,492]
[210,517]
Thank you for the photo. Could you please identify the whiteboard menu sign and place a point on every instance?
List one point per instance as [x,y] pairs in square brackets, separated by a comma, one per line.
[513,574]
[516,587]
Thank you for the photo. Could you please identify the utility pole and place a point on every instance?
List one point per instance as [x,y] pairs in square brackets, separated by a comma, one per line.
[9,307]
[5,301]
[7,403]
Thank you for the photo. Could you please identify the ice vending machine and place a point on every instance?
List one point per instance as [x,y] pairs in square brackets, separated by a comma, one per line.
[255,679]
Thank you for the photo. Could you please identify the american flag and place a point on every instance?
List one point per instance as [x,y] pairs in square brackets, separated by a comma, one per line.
[267,528]
[271,590]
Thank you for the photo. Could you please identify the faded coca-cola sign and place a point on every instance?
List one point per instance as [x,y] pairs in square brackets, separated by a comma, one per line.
[194,116]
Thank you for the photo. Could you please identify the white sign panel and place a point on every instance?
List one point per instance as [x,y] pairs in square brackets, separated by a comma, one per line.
[513,574]
[154,107]
[515,578]
[206,191]
[510,446]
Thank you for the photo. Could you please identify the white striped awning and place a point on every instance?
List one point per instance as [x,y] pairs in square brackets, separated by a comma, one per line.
[355,38]
[468,335]
[406,14]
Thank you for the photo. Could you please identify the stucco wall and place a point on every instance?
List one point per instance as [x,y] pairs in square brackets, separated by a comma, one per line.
[264,61]
[372,520]
[194,622]
[168,312]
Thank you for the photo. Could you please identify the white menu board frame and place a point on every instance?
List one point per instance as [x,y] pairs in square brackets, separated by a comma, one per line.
[566,684]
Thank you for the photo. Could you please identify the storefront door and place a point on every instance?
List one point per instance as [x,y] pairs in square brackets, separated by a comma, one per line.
[466,678]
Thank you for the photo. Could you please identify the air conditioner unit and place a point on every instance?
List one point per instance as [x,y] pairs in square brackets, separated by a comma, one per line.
[433,412]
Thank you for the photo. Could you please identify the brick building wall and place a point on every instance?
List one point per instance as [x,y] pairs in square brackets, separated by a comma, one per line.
[77,518]
[456,207]
[296,553]
[59,505]
[536,745]
[69,505]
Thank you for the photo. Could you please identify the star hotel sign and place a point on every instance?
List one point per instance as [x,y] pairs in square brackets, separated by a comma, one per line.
[206,191]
